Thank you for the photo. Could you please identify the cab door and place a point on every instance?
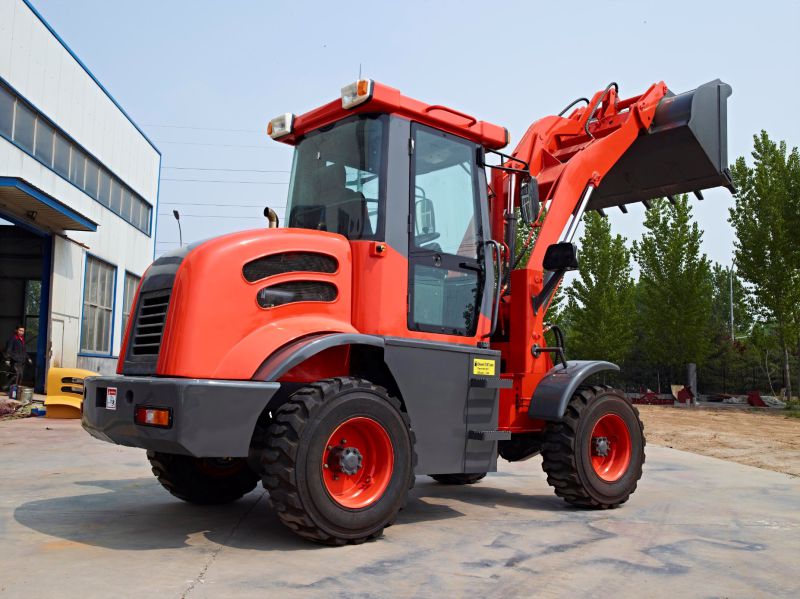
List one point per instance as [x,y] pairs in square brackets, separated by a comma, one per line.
[446,255]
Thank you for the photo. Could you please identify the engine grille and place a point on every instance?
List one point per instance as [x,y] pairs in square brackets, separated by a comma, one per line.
[296,291]
[150,319]
[276,264]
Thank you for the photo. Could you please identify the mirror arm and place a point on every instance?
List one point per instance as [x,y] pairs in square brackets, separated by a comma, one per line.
[482,161]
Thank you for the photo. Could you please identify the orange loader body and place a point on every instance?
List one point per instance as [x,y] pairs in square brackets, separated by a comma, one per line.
[389,329]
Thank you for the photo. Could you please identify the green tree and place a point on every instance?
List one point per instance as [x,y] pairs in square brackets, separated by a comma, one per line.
[674,294]
[766,219]
[729,368]
[726,282]
[600,302]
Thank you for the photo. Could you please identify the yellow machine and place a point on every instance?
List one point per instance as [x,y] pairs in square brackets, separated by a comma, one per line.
[65,392]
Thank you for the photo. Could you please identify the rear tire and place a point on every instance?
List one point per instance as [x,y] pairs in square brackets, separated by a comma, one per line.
[203,480]
[339,461]
[593,457]
[458,479]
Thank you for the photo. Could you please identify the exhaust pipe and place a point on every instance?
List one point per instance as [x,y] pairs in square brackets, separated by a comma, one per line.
[272,217]
[684,150]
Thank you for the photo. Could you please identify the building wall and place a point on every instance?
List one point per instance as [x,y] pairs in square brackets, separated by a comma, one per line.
[43,71]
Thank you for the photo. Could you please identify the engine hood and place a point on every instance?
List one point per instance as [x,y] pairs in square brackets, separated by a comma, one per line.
[217,308]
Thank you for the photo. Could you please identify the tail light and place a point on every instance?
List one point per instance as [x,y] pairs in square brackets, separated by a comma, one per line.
[160,417]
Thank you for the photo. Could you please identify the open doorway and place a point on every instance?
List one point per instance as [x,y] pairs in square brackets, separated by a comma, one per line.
[24,278]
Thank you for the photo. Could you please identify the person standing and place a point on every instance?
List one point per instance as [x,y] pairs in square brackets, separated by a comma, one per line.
[15,352]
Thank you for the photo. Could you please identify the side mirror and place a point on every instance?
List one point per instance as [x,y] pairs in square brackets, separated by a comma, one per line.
[529,200]
[425,218]
[561,256]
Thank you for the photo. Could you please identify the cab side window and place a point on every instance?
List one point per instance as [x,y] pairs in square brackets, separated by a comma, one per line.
[445,279]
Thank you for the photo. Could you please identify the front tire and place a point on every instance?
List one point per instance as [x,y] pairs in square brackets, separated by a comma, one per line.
[593,457]
[339,461]
[203,480]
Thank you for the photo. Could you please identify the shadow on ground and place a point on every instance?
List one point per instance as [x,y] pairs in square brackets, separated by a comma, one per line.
[136,514]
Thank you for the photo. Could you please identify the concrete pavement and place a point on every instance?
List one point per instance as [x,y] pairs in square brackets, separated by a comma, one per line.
[82,518]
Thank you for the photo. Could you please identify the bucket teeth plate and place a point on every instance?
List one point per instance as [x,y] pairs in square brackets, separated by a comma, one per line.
[684,150]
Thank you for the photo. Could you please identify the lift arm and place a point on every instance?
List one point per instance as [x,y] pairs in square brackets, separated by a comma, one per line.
[570,153]
[608,152]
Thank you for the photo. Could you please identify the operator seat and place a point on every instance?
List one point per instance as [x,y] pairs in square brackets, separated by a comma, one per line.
[333,206]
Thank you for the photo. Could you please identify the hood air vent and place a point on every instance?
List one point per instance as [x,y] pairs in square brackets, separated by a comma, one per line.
[278,264]
[296,291]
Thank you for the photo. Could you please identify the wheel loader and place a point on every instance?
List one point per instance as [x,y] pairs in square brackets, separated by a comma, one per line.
[390,328]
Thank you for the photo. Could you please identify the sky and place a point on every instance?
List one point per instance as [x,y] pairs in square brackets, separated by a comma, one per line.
[203,78]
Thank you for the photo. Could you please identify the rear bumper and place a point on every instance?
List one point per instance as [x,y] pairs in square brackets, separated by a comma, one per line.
[210,418]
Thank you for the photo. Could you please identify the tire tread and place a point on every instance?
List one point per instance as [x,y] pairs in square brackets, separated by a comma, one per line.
[278,461]
[177,474]
[558,452]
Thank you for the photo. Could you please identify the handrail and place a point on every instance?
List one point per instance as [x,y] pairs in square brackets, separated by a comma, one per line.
[472,120]
[498,289]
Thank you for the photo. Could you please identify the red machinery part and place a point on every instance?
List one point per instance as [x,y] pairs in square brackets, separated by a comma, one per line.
[610,436]
[357,463]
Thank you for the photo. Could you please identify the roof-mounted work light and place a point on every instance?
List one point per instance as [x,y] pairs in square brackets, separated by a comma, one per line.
[357,93]
[281,125]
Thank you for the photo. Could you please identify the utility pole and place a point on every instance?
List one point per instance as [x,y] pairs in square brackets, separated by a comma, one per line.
[180,233]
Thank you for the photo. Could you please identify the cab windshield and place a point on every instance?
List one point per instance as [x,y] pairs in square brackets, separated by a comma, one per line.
[336,182]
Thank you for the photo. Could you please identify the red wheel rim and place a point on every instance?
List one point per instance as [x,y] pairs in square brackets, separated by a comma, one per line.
[357,463]
[610,448]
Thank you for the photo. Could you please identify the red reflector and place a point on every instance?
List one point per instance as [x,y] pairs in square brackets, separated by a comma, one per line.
[154,416]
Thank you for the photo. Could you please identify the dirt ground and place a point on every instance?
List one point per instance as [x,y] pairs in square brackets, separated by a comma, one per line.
[756,437]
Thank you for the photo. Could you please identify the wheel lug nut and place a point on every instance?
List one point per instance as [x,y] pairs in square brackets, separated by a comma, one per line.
[325,466]
[343,441]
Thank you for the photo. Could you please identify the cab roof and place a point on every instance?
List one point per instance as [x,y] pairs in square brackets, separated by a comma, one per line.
[385,99]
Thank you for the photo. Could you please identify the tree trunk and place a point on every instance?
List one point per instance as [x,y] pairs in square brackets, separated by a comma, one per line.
[787,380]
[768,373]
[798,369]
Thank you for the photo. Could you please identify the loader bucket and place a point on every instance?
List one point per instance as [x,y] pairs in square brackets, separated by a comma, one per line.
[684,150]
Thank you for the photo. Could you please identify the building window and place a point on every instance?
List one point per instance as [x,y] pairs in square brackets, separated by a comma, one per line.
[104,192]
[131,283]
[44,142]
[24,126]
[98,306]
[90,184]
[77,165]
[61,156]
[6,113]
[32,132]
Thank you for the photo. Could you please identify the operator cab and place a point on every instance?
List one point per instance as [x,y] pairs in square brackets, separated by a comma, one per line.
[380,167]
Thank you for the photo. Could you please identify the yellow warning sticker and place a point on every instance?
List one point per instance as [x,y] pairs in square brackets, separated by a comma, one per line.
[483,367]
